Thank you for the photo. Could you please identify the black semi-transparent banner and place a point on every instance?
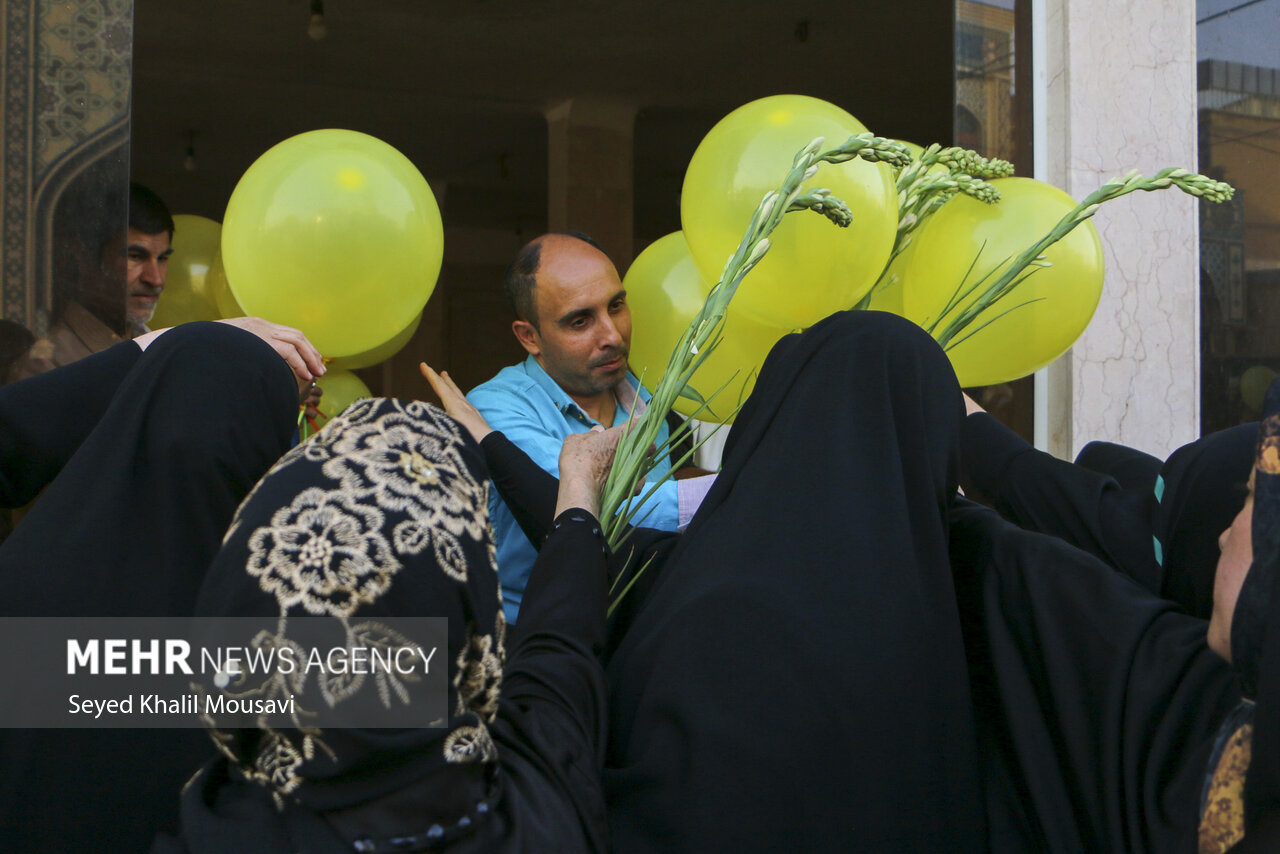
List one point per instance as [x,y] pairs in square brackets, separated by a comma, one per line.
[229,672]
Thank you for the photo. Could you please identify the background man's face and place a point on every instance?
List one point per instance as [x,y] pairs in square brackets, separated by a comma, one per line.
[584,323]
[147,265]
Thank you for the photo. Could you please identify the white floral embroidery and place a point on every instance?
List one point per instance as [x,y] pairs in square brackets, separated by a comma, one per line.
[449,555]
[224,741]
[318,447]
[334,549]
[325,551]
[479,679]
[469,744]
[276,764]
[413,465]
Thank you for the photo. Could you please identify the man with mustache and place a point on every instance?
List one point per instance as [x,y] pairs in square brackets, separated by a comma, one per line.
[90,320]
[147,250]
[573,321]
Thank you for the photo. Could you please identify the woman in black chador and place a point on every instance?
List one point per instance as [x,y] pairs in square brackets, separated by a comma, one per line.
[788,674]
[1111,720]
[794,678]
[384,513]
[1155,520]
[143,457]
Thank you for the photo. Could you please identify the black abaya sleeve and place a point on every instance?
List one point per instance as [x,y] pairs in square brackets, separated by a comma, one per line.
[44,419]
[553,709]
[1097,702]
[530,494]
[1040,492]
[528,490]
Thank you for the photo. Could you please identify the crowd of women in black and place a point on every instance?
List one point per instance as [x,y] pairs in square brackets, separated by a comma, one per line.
[844,651]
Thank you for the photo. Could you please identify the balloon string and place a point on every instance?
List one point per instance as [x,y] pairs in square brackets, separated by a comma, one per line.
[303,416]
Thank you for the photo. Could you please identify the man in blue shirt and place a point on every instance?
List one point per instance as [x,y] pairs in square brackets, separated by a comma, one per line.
[573,321]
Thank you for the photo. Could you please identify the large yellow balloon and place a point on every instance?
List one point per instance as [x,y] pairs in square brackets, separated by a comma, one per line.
[382,352]
[888,296]
[186,296]
[336,233]
[814,267]
[665,291]
[223,298]
[1060,300]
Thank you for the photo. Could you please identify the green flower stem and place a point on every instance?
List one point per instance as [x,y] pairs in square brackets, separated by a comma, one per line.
[922,190]
[1012,275]
[633,459]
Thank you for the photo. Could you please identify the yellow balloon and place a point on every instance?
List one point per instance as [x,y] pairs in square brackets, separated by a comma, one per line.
[1046,313]
[888,295]
[186,296]
[382,352]
[1254,383]
[665,291]
[336,233]
[223,298]
[341,389]
[813,267]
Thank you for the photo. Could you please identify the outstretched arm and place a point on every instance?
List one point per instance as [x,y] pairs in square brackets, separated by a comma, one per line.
[529,491]
[45,418]
[1040,492]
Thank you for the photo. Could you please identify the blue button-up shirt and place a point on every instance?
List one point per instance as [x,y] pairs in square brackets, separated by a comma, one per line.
[530,409]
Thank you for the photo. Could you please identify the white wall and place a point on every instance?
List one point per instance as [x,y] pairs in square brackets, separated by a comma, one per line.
[1119,94]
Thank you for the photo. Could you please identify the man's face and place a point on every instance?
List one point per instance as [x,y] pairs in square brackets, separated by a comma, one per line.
[147,265]
[1234,560]
[584,324]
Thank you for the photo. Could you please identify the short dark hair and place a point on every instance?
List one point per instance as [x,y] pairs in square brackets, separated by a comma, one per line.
[522,275]
[147,212]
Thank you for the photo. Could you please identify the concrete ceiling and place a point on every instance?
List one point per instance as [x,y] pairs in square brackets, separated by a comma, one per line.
[460,86]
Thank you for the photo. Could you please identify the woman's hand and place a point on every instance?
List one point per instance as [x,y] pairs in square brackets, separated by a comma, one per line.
[585,462]
[303,358]
[455,402]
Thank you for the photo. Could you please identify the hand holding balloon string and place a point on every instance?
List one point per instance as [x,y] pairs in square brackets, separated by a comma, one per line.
[291,344]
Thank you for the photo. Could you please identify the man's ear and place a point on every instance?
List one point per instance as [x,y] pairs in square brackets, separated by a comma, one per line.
[527,336]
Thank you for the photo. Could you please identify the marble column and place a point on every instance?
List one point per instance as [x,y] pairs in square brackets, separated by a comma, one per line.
[1121,95]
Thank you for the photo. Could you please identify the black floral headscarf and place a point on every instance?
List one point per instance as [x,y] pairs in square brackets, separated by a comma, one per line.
[382,514]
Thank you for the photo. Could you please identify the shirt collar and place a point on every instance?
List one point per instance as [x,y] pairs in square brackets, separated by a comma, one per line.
[627,390]
[92,332]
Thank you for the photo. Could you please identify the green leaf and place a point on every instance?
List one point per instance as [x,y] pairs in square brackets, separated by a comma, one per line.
[691,393]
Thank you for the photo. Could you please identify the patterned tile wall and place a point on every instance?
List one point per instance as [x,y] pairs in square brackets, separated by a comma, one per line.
[66,74]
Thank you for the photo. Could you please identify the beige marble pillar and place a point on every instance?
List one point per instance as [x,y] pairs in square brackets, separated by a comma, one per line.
[1120,94]
[590,174]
